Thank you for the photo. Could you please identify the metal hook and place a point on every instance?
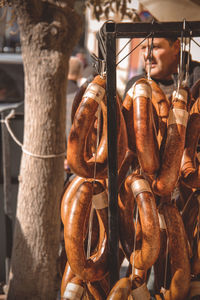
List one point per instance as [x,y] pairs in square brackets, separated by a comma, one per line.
[149,57]
[99,65]
[182,58]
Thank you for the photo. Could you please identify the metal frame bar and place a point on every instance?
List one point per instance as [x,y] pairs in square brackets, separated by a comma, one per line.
[112,154]
[164,29]
[111,32]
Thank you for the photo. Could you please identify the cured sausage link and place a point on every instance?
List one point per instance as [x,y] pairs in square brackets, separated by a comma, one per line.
[195,109]
[190,216]
[148,254]
[161,110]
[190,165]
[82,129]
[68,195]
[83,119]
[95,267]
[169,171]
[78,97]
[193,180]
[122,139]
[101,153]
[144,127]
[191,220]
[127,110]
[179,257]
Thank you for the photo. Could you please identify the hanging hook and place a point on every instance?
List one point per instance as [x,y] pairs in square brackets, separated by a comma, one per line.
[149,57]
[100,64]
[186,80]
[182,57]
[150,53]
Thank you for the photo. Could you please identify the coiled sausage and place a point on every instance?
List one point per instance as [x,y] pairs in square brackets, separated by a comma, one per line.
[161,110]
[68,195]
[195,107]
[169,171]
[179,256]
[145,257]
[127,110]
[144,127]
[190,217]
[83,120]
[95,267]
[190,165]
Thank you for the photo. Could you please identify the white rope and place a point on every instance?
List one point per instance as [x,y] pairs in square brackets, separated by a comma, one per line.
[6,122]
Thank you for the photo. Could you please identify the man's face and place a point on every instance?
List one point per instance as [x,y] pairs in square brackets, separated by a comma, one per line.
[164,57]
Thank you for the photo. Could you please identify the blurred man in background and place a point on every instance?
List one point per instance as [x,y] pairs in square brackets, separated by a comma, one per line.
[161,57]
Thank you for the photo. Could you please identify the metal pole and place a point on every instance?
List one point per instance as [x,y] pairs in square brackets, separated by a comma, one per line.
[112,156]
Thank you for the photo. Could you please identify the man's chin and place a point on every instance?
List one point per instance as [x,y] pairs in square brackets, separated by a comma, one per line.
[155,73]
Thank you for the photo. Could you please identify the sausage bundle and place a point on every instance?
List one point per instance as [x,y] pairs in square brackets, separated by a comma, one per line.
[158,200]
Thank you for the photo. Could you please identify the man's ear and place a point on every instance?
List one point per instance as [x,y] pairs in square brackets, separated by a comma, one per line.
[177,46]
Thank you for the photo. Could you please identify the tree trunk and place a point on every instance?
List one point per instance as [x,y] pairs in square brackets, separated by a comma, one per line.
[49,30]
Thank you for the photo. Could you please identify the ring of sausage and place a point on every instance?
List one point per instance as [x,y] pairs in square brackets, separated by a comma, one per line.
[95,267]
[144,127]
[179,256]
[190,165]
[83,120]
[161,110]
[77,155]
[145,257]
[169,171]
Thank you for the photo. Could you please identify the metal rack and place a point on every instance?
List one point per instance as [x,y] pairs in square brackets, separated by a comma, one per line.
[107,36]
